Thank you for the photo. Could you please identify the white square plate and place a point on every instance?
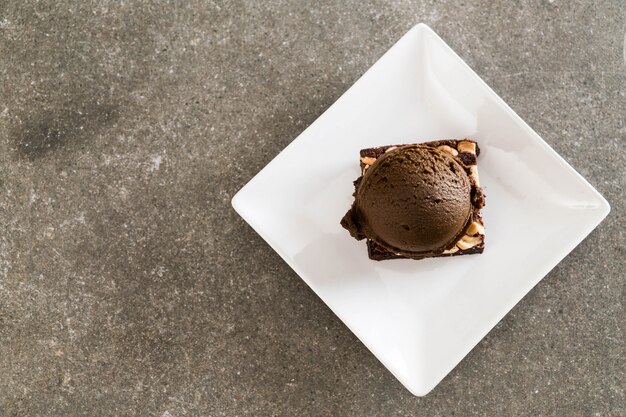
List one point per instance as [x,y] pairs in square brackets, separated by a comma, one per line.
[420,318]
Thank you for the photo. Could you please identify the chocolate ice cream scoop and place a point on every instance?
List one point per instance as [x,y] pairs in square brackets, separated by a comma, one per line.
[413,200]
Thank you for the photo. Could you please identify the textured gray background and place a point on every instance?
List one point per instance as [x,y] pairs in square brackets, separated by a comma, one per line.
[128,285]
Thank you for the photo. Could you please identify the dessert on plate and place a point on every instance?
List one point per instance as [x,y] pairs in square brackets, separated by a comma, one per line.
[418,201]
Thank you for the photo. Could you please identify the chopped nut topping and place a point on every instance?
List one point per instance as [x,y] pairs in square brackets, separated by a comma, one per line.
[448,149]
[475,228]
[451,250]
[368,160]
[467,242]
[466,146]
[474,175]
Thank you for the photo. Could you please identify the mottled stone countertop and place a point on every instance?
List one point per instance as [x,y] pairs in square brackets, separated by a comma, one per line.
[129,286]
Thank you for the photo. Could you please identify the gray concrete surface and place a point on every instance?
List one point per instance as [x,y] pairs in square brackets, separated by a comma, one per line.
[128,285]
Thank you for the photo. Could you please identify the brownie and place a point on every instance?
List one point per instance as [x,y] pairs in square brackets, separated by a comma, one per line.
[467,154]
